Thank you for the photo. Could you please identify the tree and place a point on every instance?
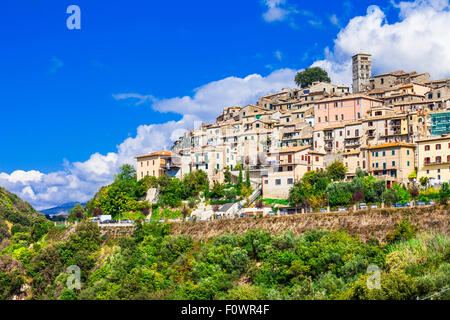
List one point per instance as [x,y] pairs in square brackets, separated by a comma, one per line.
[444,193]
[240,179]
[358,196]
[423,181]
[259,204]
[227,175]
[306,78]
[77,212]
[247,178]
[414,192]
[336,171]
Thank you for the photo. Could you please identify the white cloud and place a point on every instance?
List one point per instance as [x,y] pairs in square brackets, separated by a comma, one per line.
[278,55]
[276,10]
[419,41]
[136,96]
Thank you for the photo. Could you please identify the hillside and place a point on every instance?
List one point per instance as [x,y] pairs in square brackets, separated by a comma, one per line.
[17,215]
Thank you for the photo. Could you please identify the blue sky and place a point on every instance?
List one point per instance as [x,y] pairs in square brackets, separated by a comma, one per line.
[67,117]
[58,83]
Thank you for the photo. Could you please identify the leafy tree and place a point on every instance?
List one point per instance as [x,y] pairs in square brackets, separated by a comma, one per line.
[424,181]
[390,197]
[413,192]
[309,75]
[336,171]
[77,212]
[403,230]
[444,193]
[227,175]
[240,180]
[247,178]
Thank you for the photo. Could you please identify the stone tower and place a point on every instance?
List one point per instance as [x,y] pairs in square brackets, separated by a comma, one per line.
[362,71]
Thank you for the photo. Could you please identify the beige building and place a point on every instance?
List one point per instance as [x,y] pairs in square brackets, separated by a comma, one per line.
[158,164]
[434,159]
[393,162]
[288,165]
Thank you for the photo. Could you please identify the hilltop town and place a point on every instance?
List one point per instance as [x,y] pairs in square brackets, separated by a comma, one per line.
[394,126]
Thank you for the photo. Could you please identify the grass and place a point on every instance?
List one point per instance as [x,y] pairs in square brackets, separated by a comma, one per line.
[276,201]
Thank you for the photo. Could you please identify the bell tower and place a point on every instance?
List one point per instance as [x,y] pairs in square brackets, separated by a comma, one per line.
[362,71]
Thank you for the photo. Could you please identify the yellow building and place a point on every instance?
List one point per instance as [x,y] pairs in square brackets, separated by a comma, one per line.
[157,164]
[393,162]
[434,159]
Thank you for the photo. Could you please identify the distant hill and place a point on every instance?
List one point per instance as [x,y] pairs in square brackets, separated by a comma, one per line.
[62,210]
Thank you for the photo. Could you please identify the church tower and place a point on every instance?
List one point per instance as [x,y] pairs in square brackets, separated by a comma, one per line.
[362,71]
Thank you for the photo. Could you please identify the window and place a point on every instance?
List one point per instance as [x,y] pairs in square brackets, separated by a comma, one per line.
[289,168]
[318,120]
[290,181]
[336,117]
[393,163]
[356,133]
[384,153]
[427,147]
[326,119]
[218,166]
[393,152]
[407,163]
[277,182]
[407,152]
[438,146]
[426,160]
[337,144]
[266,181]
[317,159]
[448,158]
[438,159]
[142,164]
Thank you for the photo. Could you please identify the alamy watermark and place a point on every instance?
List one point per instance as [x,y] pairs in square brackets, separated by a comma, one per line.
[374,280]
[74,20]
[74,279]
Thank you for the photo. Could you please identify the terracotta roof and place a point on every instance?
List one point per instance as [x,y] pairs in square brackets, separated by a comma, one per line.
[157,154]
[392,144]
[292,149]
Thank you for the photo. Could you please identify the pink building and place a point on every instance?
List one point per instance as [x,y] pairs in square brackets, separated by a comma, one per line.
[338,110]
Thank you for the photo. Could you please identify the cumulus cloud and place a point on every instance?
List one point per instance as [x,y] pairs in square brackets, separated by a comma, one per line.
[419,41]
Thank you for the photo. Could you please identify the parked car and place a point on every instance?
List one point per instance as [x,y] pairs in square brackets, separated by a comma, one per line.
[127,221]
[161,220]
[271,214]
[243,215]
[362,206]
[342,209]
[431,202]
[218,217]
[236,215]
[109,221]
[374,206]
[420,203]
[398,205]
[190,219]
[323,210]
[407,204]
[95,219]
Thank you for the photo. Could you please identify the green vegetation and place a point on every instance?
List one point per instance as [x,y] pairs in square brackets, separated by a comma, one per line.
[317,189]
[309,75]
[153,264]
